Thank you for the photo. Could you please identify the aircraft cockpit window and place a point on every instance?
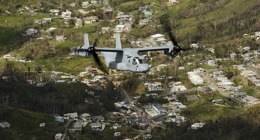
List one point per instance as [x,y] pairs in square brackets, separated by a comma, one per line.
[140,61]
[134,61]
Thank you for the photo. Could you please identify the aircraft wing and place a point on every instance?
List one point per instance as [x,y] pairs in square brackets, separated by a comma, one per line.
[108,50]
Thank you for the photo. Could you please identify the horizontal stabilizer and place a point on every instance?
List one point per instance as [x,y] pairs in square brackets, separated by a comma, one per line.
[86,41]
[118,41]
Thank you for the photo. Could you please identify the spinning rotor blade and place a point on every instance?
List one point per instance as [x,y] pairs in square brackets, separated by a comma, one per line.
[167,28]
[97,60]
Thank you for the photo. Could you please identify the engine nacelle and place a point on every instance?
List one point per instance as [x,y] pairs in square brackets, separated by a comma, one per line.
[172,50]
[83,52]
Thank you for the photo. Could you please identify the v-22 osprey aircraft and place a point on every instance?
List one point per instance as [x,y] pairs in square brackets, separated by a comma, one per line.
[125,59]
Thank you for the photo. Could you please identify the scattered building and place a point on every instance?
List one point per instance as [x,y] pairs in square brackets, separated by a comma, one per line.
[60,38]
[54,12]
[159,38]
[197,125]
[74,4]
[78,23]
[66,14]
[42,124]
[119,28]
[105,30]
[257,34]
[144,22]
[90,20]
[233,56]
[194,78]
[153,86]
[71,116]
[96,126]
[5,124]
[85,4]
[46,20]
[58,136]
[59,119]
[218,101]
[177,86]
[191,97]
[194,45]
[173,1]
[77,126]
[117,134]
[9,56]
[30,32]
[211,62]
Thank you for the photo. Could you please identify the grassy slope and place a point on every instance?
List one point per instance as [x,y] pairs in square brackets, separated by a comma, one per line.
[202,110]
[220,15]
[25,124]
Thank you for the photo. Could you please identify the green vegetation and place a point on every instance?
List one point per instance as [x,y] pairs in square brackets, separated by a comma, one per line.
[25,124]
[239,125]
[203,110]
[214,23]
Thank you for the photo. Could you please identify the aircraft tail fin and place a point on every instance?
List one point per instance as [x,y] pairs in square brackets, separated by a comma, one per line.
[118,41]
[86,41]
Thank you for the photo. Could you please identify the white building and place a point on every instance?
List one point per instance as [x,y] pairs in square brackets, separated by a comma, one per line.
[79,23]
[211,62]
[9,56]
[197,125]
[177,86]
[119,28]
[257,34]
[194,78]
[5,124]
[71,115]
[90,20]
[60,38]
[158,38]
[66,14]
[82,12]
[54,12]
[194,45]
[30,32]
[58,136]
[42,124]
[85,4]
[173,1]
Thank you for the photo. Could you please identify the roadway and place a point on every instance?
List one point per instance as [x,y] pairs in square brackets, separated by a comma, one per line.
[212,83]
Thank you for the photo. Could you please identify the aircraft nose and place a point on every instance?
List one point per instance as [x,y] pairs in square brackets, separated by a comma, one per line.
[143,68]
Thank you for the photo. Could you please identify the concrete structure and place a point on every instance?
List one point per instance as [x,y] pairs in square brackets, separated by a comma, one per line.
[177,86]
[90,20]
[9,56]
[66,14]
[60,38]
[197,125]
[54,12]
[194,78]
[158,38]
[58,136]
[119,28]
[71,115]
[85,4]
[5,124]
[173,1]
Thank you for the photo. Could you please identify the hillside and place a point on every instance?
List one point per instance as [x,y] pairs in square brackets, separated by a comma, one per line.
[56,81]
[219,24]
[243,124]
[25,124]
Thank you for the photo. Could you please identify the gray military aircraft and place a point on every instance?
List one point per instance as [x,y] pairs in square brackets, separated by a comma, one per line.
[125,59]
[128,59]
